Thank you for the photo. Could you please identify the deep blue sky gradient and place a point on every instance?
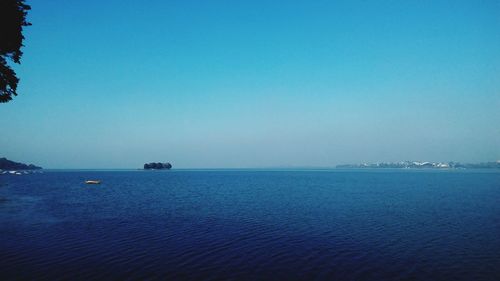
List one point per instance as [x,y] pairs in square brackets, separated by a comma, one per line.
[114,84]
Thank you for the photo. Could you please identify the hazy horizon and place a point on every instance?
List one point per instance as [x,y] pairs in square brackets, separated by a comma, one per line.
[116,84]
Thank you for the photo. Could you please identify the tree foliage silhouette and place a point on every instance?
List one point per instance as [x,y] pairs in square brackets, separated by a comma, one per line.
[12,20]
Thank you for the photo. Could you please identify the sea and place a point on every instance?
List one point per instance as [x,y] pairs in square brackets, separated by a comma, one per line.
[366,224]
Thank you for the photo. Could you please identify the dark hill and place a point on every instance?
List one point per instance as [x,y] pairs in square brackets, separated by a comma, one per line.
[6,164]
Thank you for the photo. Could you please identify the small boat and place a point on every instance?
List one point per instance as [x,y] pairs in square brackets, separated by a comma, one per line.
[93,182]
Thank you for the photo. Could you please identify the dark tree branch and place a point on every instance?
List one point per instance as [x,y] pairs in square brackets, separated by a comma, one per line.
[12,20]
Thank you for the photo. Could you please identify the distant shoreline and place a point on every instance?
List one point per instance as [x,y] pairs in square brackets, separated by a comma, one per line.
[298,169]
[422,165]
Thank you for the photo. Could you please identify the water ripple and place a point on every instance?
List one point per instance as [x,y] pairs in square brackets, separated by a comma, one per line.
[251,225]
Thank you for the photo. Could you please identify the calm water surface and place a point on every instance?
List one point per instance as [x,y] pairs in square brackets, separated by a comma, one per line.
[251,225]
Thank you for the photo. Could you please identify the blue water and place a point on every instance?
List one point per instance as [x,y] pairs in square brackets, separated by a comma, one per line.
[251,225]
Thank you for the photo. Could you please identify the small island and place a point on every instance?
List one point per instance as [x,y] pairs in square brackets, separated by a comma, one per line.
[157,166]
[6,164]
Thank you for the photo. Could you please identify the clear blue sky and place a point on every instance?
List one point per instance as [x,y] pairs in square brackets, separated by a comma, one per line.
[114,84]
